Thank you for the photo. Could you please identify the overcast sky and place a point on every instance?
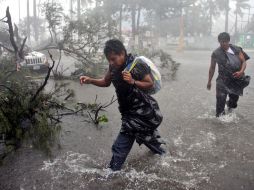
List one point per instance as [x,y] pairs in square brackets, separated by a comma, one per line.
[13,4]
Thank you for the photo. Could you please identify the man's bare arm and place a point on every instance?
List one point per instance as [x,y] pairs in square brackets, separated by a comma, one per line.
[103,82]
[144,84]
[211,73]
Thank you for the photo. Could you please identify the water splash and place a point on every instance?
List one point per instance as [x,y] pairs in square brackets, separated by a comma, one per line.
[77,167]
[227,118]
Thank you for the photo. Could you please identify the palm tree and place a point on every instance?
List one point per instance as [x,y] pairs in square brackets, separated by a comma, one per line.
[214,7]
[213,10]
[240,6]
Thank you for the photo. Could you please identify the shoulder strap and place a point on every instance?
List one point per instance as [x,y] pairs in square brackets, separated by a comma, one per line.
[132,65]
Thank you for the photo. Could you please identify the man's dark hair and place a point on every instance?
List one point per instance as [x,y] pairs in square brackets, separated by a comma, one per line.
[224,36]
[114,46]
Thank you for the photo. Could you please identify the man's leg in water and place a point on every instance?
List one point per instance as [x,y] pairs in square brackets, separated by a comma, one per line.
[232,103]
[221,96]
[120,150]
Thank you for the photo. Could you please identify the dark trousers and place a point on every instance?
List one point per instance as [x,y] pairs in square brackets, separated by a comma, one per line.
[221,97]
[122,147]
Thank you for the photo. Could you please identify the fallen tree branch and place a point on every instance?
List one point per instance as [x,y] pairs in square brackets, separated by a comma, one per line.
[96,118]
[2,19]
[60,106]
[8,49]
[46,79]
[59,60]
[8,88]
[8,74]
[11,32]
[21,52]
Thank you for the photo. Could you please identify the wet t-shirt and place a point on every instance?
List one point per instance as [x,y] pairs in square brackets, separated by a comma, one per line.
[123,89]
[228,63]
[140,111]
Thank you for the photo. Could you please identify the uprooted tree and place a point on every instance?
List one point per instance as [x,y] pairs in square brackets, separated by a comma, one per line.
[26,111]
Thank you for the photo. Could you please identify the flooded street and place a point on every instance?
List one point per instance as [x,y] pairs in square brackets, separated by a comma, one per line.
[203,152]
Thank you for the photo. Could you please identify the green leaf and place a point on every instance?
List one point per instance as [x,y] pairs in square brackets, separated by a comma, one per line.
[103,119]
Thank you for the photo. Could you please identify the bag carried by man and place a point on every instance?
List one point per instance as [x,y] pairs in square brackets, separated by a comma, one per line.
[238,84]
[156,76]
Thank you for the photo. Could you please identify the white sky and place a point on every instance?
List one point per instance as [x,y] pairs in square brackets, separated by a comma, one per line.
[13,4]
[14,7]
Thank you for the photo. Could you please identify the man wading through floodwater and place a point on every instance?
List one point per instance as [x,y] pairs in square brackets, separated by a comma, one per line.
[231,81]
[140,112]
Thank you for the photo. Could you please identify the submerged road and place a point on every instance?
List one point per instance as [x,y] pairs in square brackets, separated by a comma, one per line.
[203,152]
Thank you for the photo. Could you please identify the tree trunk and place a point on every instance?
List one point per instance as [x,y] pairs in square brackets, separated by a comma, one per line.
[138,19]
[28,22]
[138,27]
[227,13]
[133,23]
[120,21]
[71,8]
[211,22]
[236,23]
[19,12]
[78,11]
[110,33]
[35,21]
[96,3]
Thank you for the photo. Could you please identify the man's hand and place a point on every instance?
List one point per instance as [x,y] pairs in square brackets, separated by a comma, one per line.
[238,74]
[209,85]
[127,77]
[85,80]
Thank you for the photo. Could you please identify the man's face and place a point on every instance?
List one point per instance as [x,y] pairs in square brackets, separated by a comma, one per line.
[224,44]
[116,60]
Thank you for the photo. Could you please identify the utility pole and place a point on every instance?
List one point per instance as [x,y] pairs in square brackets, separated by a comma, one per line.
[181,44]
[249,16]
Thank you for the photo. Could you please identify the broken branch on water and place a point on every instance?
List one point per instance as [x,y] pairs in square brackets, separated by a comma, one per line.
[46,78]
[98,108]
